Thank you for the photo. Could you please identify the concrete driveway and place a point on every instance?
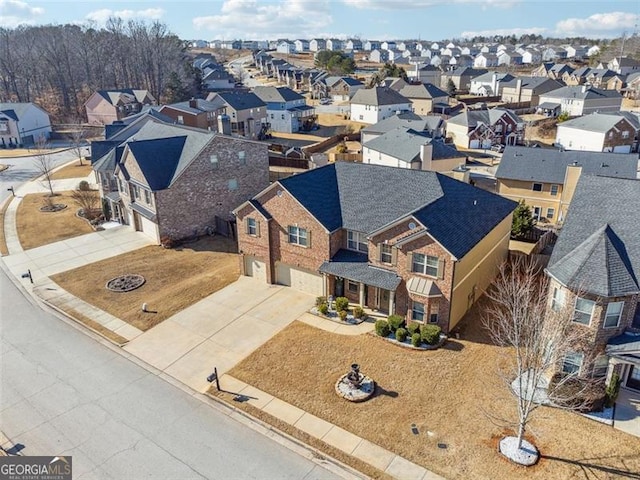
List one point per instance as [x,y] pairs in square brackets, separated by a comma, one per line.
[220,330]
[627,415]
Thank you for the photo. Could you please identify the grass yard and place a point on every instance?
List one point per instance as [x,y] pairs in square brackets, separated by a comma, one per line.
[175,279]
[36,228]
[3,241]
[75,170]
[446,393]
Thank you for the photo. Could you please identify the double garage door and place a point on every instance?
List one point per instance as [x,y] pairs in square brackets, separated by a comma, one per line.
[302,280]
[478,144]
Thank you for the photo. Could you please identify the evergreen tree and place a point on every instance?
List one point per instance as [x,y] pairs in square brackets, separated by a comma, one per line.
[523,221]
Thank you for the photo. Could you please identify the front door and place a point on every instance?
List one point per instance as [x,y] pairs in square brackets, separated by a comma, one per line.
[383,300]
[339,287]
[633,378]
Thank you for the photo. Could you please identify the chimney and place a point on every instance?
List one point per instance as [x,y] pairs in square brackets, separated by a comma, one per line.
[224,124]
[519,89]
[584,88]
[193,103]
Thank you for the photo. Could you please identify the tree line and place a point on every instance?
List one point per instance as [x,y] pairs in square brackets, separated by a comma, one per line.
[60,66]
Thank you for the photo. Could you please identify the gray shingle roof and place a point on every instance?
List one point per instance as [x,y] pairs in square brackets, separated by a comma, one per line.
[17,110]
[354,266]
[596,122]
[582,92]
[598,249]
[549,166]
[471,118]
[279,94]
[625,343]
[531,83]
[241,100]
[422,91]
[366,197]
[406,120]
[404,144]
[200,106]
[488,77]
[378,96]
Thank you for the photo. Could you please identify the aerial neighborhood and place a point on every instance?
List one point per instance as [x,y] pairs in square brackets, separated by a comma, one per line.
[380,248]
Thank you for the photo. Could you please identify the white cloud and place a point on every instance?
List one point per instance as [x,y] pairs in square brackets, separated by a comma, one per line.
[16,12]
[504,32]
[280,18]
[101,16]
[610,24]
[416,4]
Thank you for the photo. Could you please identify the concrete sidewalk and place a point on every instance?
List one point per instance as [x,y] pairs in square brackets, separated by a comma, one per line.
[376,456]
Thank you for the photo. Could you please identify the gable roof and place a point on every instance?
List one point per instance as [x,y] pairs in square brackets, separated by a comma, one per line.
[428,91]
[471,118]
[241,100]
[595,122]
[533,82]
[276,94]
[378,96]
[598,249]
[550,166]
[16,111]
[407,120]
[365,198]
[113,96]
[405,144]
[201,106]
[582,92]
[488,77]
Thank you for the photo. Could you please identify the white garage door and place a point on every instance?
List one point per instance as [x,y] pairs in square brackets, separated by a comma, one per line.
[486,144]
[299,279]
[149,228]
[474,144]
[255,268]
[622,149]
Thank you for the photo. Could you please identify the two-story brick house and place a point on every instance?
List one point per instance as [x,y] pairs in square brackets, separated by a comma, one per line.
[545,179]
[594,270]
[599,132]
[195,112]
[174,181]
[416,243]
[106,106]
[484,128]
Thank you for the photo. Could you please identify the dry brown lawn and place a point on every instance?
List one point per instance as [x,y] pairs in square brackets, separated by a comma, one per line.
[36,228]
[446,393]
[75,170]
[175,279]
[3,241]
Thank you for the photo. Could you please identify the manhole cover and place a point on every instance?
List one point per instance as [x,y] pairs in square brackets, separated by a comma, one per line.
[125,283]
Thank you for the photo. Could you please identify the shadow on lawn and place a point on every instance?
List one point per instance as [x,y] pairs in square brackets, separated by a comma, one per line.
[383,392]
[591,470]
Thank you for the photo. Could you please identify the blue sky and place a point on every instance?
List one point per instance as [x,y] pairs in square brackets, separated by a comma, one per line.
[367,19]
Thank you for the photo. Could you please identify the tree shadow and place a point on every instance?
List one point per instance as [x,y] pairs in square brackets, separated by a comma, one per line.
[591,470]
[380,391]
[453,346]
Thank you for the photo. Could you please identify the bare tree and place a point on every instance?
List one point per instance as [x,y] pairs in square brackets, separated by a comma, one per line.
[77,138]
[536,338]
[88,200]
[44,164]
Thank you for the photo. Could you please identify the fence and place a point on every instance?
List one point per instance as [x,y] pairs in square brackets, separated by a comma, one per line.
[345,157]
[288,162]
[329,142]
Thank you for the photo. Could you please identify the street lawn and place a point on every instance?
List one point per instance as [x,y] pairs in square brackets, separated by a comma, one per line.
[448,394]
[3,241]
[175,279]
[36,228]
[75,170]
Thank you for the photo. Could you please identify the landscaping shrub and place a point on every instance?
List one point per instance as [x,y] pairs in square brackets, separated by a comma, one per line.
[582,395]
[320,301]
[416,340]
[343,315]
[358,311]
[430,333]
[401,334]
[342,303]
[382,328]
[323,308]
[612,390]
[84,186]
[413,327]
[395,322]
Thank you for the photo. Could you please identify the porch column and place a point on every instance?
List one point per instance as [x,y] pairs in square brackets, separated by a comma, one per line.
[325,284]
[361,291]
[392,295]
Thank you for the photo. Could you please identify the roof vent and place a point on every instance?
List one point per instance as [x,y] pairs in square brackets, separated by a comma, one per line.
[412,226]
[603,165]
[475,202]
[279,193]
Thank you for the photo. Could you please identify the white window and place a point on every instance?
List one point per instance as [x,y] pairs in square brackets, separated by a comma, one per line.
[180,119]
[148,198]
[625,134]
[386,253]
[600,366]
[298,236]
[536,187]
[352,286]
[554,190]
[614,312]
[233,184]
[557,301]
[572,363]
[357,241]
[550,213]
[136,192]
[425,264]
[433,312]
[252,228]
[214,160]
[417,311]
[242,157]
[583,310]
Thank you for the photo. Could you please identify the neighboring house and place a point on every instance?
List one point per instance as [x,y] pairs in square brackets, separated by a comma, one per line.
[388,45]
[424,74]
[340,89]
[287,111]
[598,132]
[509,58]
[485,60]
[23,124]
[426,98]
[527,89]
[433,125]
[286,47]
[301,45]
[247,113]
[371,45]
[582,100]
[461,78]
[195,113]
[217,79]
[552,70]
[490,84]
[545,179]
[594,270]
[177,182]
[317,44]
[484,128]
[379,56]
[531,57]
[106,106]
[390,239]
[370,105]
[408,148]
[334,44]
[622,65]
[353,44]
[633,86]
[394,83]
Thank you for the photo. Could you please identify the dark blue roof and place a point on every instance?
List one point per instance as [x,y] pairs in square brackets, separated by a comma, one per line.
[11,114]
[158,159]
[365,198]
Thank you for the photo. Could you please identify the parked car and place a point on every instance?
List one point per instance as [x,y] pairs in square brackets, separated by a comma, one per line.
[325,101]
[497,148]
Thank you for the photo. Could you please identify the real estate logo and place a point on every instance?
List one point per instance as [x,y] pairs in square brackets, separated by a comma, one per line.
[35,468]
